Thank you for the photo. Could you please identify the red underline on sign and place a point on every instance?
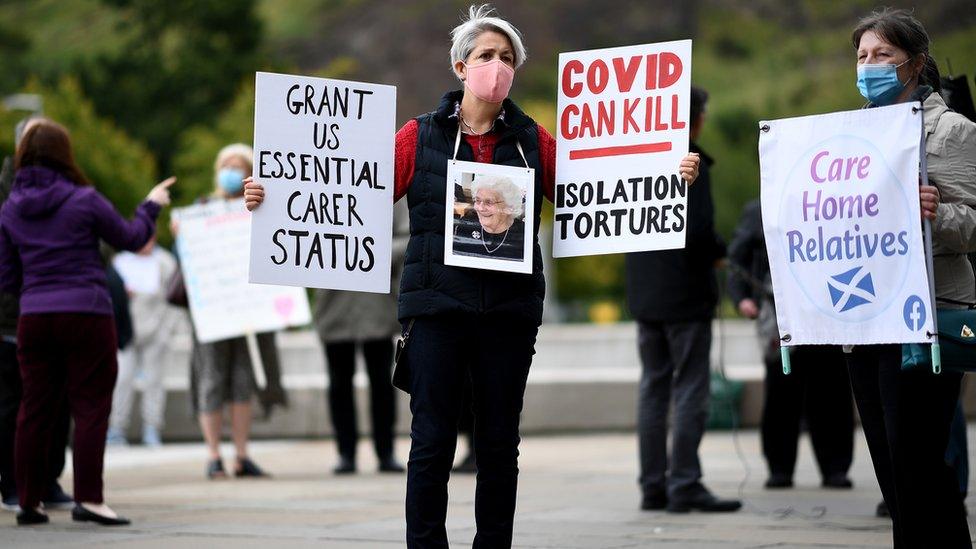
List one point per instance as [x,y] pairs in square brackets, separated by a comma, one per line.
[620,151]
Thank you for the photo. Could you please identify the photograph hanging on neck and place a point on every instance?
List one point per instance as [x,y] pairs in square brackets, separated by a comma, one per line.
[490,221]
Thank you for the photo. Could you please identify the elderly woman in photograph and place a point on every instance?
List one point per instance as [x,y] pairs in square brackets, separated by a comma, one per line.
[463,322]
[494,227]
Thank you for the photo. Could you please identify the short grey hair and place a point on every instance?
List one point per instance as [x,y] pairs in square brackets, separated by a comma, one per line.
[481,19]
[505,187]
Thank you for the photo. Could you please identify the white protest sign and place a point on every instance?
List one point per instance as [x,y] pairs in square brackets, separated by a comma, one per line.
[623,130]
[842,224]
[323,149]
[213,247]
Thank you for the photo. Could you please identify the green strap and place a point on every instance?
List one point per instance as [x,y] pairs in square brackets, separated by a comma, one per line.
[784,354]
[936,358]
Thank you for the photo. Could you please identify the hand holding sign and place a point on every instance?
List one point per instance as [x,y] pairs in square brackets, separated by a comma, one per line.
[689,168]
[929,198]
[253,194]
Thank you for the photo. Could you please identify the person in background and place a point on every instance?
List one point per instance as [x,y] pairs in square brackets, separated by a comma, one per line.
[50,228]
[10,385]
[815,390]
[221,372]
[145,274]
[346,321]
[907,414]
[673,294]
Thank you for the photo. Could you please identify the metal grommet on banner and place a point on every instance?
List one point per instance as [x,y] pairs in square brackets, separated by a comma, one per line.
[765,128]
[915,110]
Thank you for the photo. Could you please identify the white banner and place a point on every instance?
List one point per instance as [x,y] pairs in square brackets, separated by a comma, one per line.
[842,224]
[213,247]
[623,127]
[323,149]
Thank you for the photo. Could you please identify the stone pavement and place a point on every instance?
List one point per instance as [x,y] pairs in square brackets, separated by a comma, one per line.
[575,492]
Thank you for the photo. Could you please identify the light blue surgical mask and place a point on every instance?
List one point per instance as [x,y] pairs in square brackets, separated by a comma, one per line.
[230,180]
[879,83]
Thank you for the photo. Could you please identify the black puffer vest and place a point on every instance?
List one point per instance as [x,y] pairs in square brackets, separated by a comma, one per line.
[428,286]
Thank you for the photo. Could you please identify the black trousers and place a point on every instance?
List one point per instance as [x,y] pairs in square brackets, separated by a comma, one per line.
[496,352]
[341,357]
[674,369]
[906,418]
[818,391]
[10,394]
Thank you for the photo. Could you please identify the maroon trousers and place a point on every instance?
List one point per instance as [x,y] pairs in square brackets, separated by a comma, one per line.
[64,356]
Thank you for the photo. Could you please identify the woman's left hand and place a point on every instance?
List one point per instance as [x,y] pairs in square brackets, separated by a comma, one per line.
[689,167]
[929,198]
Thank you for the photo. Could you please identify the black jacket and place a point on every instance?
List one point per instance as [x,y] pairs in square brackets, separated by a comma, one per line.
[680,285]
[428,286]
[470,238]
[120,306]
[9,303]
[748,263]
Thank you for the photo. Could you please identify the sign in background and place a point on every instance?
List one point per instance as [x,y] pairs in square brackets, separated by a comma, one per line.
[323,149]
[623,127]
[213,247]
[843,229]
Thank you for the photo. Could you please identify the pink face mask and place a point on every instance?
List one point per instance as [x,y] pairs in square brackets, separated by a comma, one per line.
[490,81]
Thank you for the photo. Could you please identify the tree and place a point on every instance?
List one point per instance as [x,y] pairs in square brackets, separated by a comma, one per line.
[181,65]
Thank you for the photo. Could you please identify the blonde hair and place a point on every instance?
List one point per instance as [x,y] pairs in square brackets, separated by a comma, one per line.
[481,19]
[234,150]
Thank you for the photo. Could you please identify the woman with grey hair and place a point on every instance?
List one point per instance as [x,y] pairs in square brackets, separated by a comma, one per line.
[493,227]
[454,318]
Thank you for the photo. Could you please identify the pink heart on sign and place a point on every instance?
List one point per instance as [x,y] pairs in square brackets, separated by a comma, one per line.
[284,305]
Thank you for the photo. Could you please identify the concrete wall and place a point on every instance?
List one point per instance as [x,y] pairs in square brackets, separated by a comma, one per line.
[583,377]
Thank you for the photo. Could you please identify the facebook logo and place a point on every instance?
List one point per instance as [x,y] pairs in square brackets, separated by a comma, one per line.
[914,313]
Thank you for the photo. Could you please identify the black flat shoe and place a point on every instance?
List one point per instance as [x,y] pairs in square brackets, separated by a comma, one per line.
[215,469]
[26,517]
[80,514]
[247,468]
[390,465]
[346,466]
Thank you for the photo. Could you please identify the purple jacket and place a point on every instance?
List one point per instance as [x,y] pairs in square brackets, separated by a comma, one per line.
[49,237]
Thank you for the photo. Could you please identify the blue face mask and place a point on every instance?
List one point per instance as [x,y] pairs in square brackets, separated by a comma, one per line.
[879,83]
[230,180]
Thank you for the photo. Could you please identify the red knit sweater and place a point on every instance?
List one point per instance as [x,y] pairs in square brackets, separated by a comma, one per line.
[484,149]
